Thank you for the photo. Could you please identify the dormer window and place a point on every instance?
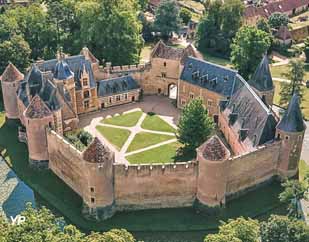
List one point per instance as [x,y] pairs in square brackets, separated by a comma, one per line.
[190,66]
[86,94]
[85,82]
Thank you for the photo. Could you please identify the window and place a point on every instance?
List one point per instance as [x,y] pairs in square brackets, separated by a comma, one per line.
[92,189]
[191,96]
[86,94]
[118,98]
[286,137]
[110,99]
[86,104]
[125,96]
[163,74]
[164,64]
[209,103]
[85,82]
[92,200]
[183,102]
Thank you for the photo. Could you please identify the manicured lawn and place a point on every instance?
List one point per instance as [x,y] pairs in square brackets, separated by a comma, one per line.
[154,122]
[304,103]
[126,120]
[115,136]
[162,154]
[143,140]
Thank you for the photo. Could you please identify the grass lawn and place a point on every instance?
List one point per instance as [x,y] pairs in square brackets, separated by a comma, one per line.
[126,120]
[154,122]
[303,169]
[115,136]
[217,60]
[304,103]
[280,71]
[162,154]
[144,139]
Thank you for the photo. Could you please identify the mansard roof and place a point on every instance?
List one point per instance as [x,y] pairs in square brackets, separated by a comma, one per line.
[214,149]
[207,75]
[37,109]
[292,120]
[97,152]
[116,86]
[77,64]
[63,71]
[261,79]
[11,74]
[249,117]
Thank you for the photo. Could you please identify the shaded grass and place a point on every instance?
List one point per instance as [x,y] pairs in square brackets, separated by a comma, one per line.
[154,122]
[115,136]
[126,120]
[217,60]
[162,154]
[303,169]
[305,98]
[144,139]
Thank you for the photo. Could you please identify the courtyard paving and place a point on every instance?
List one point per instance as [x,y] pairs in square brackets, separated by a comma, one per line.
[160,105]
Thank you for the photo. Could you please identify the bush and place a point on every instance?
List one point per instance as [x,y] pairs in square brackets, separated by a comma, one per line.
[80,139]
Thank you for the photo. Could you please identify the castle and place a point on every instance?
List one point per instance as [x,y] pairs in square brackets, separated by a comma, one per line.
[254,146]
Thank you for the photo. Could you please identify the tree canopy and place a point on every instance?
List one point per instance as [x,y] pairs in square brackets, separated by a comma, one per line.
[248,48]
[278,19]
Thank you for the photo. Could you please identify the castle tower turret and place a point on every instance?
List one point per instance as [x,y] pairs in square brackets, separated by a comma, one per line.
[262,82]
[211,183]
[37,117]
[290,131]
[99,188]
[10,80]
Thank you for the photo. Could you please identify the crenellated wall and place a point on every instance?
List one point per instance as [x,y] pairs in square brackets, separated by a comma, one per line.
[155,186]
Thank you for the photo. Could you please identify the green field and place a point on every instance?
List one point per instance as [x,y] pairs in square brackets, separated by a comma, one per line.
[154,122]
[115,136]
[144,139]
[126,120]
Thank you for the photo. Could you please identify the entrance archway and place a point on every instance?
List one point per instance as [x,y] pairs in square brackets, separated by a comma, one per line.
[172,91]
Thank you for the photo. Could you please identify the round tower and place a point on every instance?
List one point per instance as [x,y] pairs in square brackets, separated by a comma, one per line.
[37,118]
[10,80]
[99,185]
[212,172]
[290,130]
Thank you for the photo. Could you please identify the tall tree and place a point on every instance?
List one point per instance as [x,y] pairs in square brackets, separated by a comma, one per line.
[262,24]
[111,29]
[248,48]
[194,119]
[283,229]
[278,19]
[15,50]
[220,25]
[306,49]
[295,77]
[167,18]
[185,15]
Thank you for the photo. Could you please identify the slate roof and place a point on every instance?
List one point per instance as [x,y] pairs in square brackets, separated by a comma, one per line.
[116,86]
[63,71]
[261,79]
[37,109]
[214,149]
[11,74]
[292,120]
[249,117]
[97,152]
[215,78]
[77,64]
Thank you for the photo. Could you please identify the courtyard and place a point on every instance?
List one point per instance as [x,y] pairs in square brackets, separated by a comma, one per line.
[139,133]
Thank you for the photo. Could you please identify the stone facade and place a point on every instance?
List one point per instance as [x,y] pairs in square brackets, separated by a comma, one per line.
[254,145]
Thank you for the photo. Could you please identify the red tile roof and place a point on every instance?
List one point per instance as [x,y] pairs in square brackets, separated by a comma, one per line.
[37,109]
[11,74]
[215,150]
[97,152]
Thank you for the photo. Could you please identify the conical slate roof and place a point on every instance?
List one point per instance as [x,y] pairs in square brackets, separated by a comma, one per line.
[96,152]
[63,71]
[261,79]
[11,74]
[215,150]
[37,109]
[292,120]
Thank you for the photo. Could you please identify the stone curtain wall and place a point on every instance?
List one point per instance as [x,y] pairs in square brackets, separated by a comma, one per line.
[253,168]
[155,186]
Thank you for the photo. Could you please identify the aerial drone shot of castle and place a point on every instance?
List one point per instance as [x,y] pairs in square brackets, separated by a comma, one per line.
[255,145]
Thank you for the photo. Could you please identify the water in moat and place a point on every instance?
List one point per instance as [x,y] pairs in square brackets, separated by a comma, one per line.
[14,193]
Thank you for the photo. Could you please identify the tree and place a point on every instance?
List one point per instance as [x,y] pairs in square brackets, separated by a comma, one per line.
[143,4]
[167,18]
[282,229]
[293,191]
[194,120]
[185,15]
[237,230]
[219,25]
[295,77]
[111,29]
[248,48]
[262,24]
[306,49]
[15,50]
[278,19]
